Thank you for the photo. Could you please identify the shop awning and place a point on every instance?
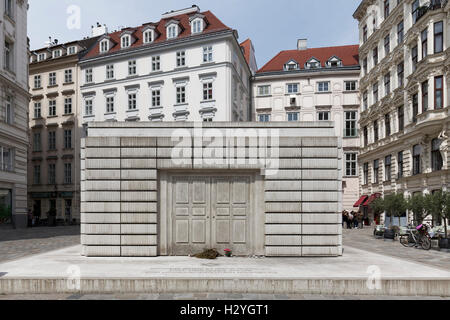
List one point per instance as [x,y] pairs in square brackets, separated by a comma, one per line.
[371,199]
[360,201]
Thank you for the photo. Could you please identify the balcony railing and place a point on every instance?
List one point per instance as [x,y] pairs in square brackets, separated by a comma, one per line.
[433,5]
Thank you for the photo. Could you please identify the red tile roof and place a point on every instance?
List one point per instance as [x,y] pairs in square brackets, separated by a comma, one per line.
[348,55]
[247,46]
[213,24]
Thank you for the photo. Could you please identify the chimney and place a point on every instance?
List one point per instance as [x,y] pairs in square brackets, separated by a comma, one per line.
[302,44]
[99,30]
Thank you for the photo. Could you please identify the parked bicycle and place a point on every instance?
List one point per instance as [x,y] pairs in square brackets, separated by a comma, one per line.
[417,237]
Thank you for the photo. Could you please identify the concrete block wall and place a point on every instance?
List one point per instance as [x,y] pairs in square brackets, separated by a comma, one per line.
[120,199]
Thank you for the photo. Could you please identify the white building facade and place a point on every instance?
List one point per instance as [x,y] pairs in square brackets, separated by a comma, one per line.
[187,67]
[13,110]
[318,84]
[404,106]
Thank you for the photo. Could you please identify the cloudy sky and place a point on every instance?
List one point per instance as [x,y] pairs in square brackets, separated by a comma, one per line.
[273,25]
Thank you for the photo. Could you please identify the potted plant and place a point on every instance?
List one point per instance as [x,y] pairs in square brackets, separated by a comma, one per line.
[228,252]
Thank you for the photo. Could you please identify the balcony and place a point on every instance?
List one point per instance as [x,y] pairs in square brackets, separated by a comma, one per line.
[433,5]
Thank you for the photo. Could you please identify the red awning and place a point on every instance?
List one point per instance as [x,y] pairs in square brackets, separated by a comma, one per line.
[360,201]
[371,199]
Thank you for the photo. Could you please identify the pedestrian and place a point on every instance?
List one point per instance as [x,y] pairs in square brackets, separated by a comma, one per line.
[344,218]
[355,220]
[360,220]
[350,220]
[30,218]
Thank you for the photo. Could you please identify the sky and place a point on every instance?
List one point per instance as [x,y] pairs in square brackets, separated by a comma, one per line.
[272,25]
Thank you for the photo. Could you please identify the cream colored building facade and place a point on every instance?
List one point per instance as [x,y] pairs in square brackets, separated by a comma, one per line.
[54,155]
[13,109]
[322,93]
[404,124]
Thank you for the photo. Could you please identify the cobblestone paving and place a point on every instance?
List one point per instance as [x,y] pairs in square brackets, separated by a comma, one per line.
[206,296]
[363,239]
[18,243]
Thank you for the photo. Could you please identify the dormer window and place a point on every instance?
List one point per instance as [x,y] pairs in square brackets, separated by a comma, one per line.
[72,50]
[172,31]
[104,46]
[41,57]
[197,26]
[56,53]
[126,41]
[334,62]
[148,36]
[291,65]
[313,63]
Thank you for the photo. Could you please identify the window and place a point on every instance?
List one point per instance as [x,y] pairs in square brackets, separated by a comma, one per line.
[8,56]
[126,41]
[365,33]
[51,173]
[323,86]
[207,54]
[56,54]
[292,116]
[9,6]
[290,66]
[132,101]
[207,91]
[415,10]
[400,32]
[148,36]
[387,45]
[72,50]
[375,131]
[375,92]
[181,58]
[365,65]
[156,64]
[365,100]
[323,115]
[376,171]
[375,56]
[132,68]
[67,173]
[37,110]
[414,58]
[415,107]
[9,112]
[313,64]
[386,9]
[424,96]
[424,38]
[264,117]
[37,175]
[387,83]
[37,143]
[172,32]
[350,124]
[88,76]
[41,57]
[401,118]
[51,140]
[67,105]
[350,85]
[181,95]
[292,88]
[52,79]
[350,164]
[387,168]
[52,108]
[366,173]
[110,71]
[366,136]
[156,98]
[67,139]
[37,82]
[88,107]
[109,104]
[263,90]
[197,26]
[436,156]
[400,74]
[417,152]
[104,46]
[6,159]
[387,125]
[438,37]
[400,164]
[438,93]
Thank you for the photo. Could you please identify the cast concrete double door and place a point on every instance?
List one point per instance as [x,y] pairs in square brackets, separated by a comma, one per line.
[211,211]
